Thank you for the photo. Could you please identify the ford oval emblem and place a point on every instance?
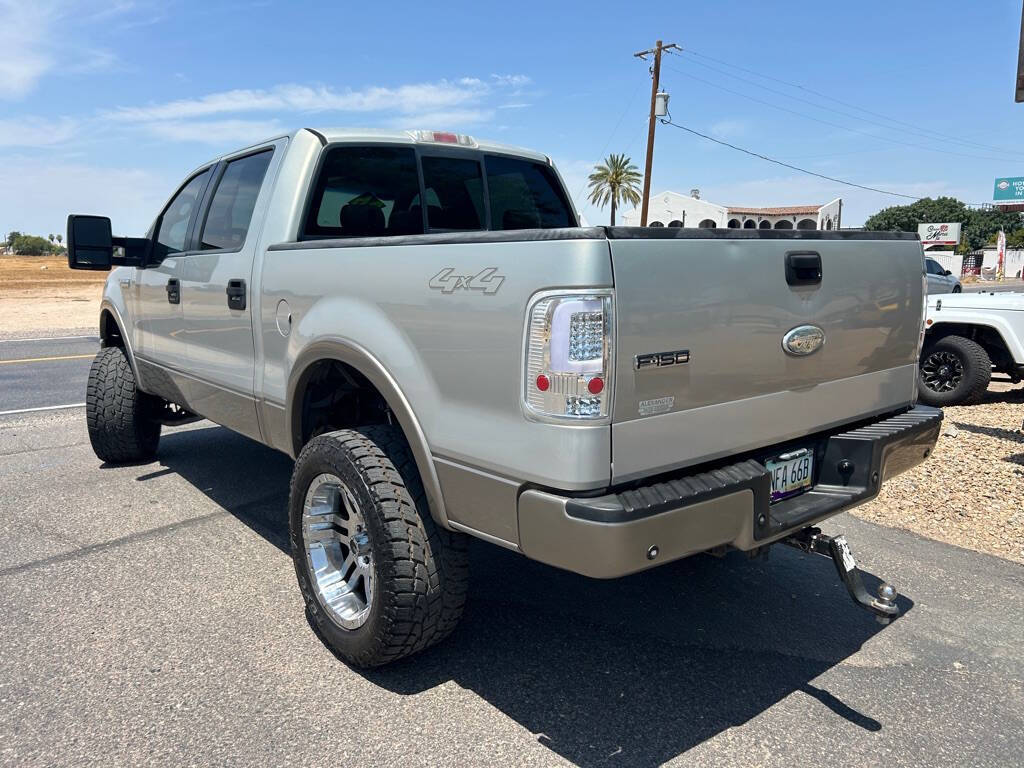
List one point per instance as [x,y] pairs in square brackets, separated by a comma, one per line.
[803,340]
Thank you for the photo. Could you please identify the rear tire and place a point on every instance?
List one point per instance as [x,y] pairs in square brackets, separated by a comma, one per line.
[380,579]
[121,418]
[953,371]
[957,289]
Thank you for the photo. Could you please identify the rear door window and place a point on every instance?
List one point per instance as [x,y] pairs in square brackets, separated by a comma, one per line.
[525,195]
[230,212]
[454,193]
[366,192]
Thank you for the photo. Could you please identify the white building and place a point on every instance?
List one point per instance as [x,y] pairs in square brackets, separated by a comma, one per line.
[671,209]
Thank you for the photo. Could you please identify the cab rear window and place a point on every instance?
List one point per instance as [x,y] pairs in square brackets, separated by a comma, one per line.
[525,195]
[380,191]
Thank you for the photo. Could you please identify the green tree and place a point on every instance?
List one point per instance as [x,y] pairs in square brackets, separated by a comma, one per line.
[12,236]
[31,245]
[615,181]
[977,224]
[60,239]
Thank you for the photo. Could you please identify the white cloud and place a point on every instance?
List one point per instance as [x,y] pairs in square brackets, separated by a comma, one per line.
[729,128]
[24,28]
[38,197]
[513,81]
[514,105]
[454,119]
[32,131]
[406,99]
[215,132]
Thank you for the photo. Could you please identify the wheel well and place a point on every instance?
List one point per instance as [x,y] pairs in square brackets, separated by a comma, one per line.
[985,336]
[334,395]
[110,331]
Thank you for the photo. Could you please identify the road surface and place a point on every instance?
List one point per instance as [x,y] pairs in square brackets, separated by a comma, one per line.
[150,616]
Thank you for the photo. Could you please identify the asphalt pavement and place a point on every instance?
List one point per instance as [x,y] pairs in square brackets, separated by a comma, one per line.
[149,616]
[41,373]
[1014,285]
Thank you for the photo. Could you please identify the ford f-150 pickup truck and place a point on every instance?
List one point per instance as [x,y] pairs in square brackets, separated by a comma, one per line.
[420,321]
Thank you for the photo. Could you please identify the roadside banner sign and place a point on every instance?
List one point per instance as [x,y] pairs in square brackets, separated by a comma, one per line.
[939,234]
[1009,188]
[1001,256]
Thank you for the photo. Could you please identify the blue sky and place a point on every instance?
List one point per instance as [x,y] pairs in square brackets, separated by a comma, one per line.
[105,106]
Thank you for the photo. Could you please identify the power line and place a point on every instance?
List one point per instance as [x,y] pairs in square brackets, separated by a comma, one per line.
[829,123]
[847,104]
[916,130]
[786,165]
[615,130]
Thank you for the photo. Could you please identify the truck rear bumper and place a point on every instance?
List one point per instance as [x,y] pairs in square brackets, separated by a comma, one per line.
[682,514]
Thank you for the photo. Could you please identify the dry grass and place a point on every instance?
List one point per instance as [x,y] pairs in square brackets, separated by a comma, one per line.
[41,294]
[970,492]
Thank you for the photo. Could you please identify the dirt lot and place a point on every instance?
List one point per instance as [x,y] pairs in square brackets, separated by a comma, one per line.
[971,491]
[39,294]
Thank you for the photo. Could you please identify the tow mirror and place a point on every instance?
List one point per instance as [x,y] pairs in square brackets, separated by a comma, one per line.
[90,244]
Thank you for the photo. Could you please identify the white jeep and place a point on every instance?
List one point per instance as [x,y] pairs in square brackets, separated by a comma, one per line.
[967,337]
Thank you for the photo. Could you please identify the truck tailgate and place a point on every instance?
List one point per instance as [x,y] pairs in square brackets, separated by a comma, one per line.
[724,298]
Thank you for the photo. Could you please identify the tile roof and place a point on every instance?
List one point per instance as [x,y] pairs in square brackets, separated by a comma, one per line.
[785,210]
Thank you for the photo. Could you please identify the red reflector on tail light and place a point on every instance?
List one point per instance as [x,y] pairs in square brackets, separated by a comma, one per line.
[595,385]
[543,383]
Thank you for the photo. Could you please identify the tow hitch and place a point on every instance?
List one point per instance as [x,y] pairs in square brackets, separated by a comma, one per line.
[813,541]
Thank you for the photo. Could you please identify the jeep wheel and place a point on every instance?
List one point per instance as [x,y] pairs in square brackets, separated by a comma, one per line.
[953,371]
[379,578]
[121,418]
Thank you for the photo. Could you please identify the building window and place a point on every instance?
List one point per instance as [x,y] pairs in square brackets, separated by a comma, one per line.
[707,224]
[807,224]
[750,224]
[765,225]
[655,224]
[734,223]
[783,224]
[675,223]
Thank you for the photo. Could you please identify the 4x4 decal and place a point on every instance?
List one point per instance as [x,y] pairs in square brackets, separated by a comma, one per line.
[486,280]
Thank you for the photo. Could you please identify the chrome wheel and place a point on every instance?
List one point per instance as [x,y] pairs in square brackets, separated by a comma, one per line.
[338,555]
[942,371]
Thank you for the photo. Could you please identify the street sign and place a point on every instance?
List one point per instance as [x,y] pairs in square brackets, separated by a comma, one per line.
[1009,188]
[939,234]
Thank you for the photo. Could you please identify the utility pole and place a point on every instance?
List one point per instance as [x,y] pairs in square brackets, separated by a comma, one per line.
[655,81]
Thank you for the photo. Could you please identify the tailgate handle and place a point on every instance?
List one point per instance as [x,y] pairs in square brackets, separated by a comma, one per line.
[803,267]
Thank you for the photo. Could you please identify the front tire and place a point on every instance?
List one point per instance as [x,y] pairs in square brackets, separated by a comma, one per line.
[379,578]
[953,371]
[957,289]
[121,418]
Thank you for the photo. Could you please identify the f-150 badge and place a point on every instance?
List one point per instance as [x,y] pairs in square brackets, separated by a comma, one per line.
[486,280]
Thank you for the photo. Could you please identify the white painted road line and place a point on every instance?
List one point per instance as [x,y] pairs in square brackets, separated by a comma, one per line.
[49,338]
[42,408]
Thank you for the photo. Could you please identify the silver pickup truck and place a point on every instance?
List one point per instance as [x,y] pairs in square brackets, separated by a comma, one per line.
[419,320]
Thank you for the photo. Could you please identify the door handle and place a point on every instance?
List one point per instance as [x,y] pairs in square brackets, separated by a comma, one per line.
[236,293]
[173,291]
[803,267]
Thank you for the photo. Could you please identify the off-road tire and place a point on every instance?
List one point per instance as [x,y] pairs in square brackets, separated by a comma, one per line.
[977,367]
[421,570]
[121,418]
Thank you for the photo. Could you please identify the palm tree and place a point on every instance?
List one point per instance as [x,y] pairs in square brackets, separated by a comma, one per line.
[52,238]
[615,181]
[60,239]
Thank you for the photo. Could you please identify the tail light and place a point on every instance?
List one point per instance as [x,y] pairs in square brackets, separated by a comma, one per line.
[569,355]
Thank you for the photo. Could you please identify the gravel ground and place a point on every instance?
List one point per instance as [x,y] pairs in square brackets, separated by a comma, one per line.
[971,491]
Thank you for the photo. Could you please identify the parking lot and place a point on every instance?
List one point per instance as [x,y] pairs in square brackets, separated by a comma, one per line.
[150,615]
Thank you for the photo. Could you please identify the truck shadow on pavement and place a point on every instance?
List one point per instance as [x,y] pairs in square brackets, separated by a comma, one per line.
[634,671]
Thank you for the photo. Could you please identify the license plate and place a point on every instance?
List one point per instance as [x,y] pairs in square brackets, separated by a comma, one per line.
[791,473]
